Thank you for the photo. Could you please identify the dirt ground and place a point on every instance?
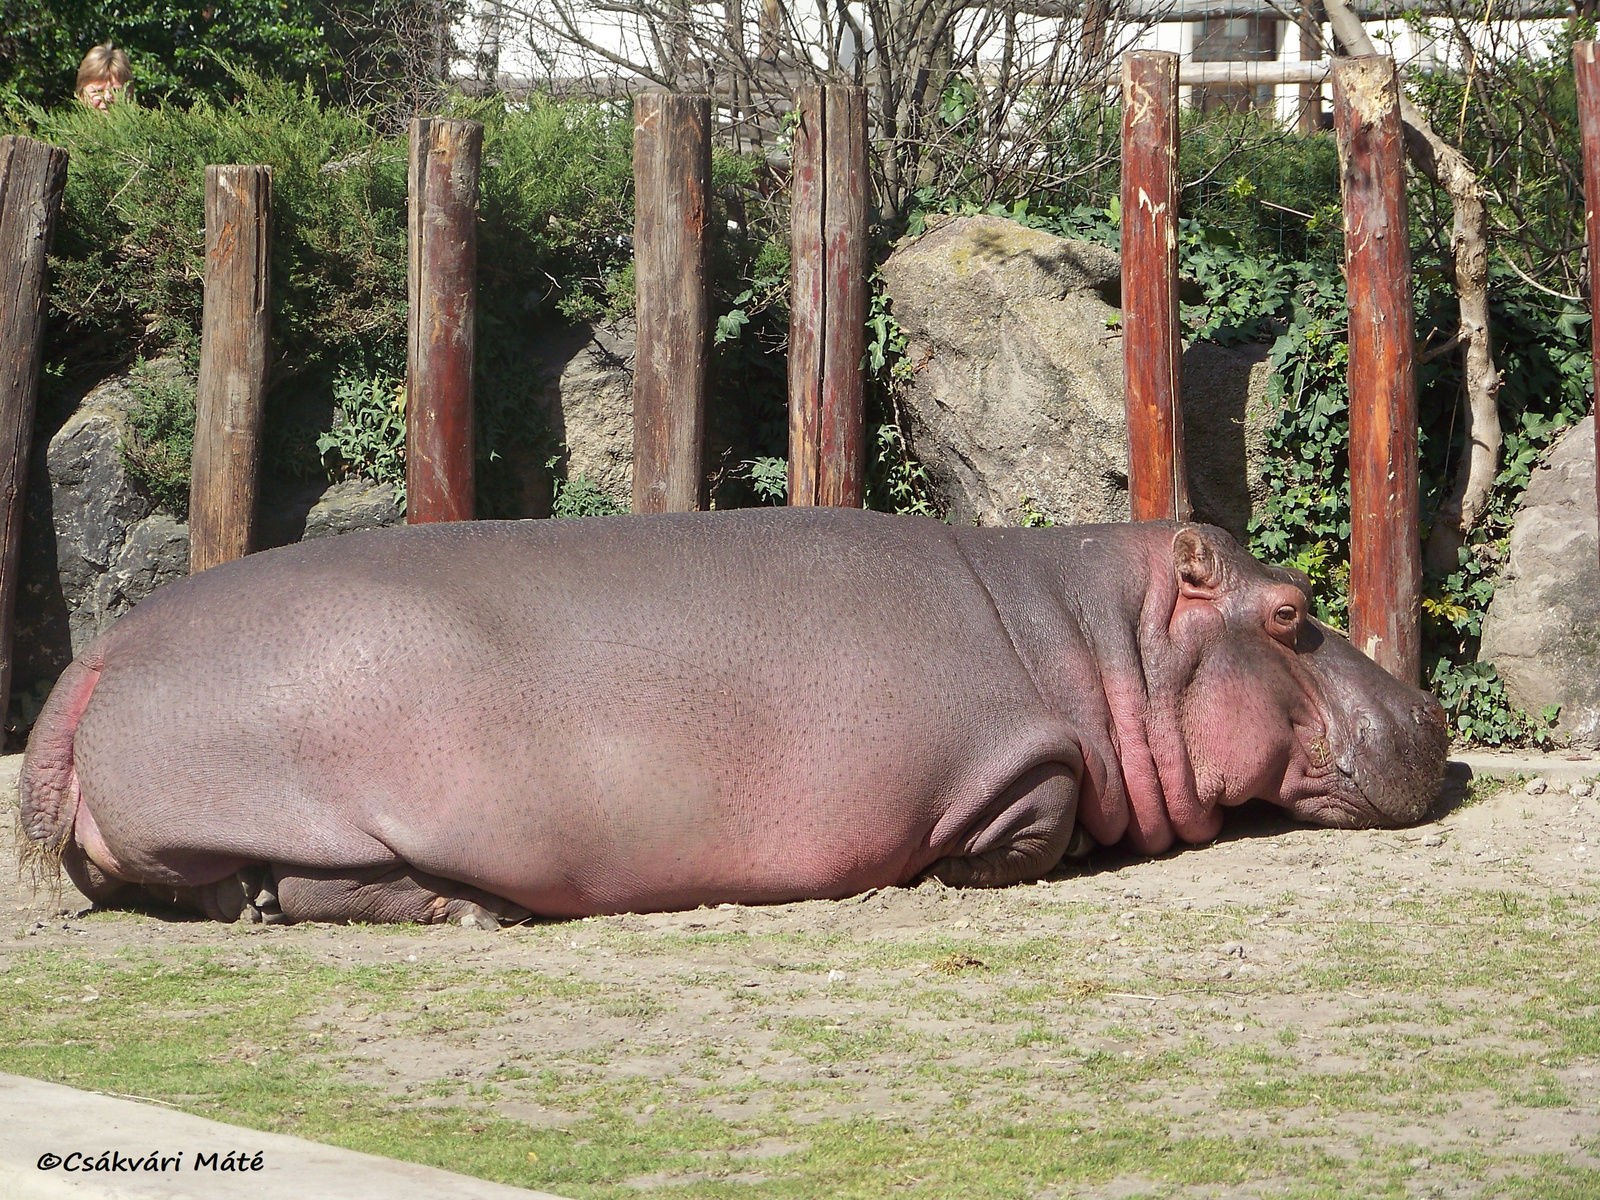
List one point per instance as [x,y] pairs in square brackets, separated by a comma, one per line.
[1290,1011]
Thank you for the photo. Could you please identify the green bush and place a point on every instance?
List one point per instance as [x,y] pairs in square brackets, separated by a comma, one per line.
[180,50]
[579,497]
[368,438]
[161,432]
[128,269]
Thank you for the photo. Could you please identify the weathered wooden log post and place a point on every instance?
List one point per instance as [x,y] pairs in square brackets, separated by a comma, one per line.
[671,254]
[828,308]
[442,286]
[32,175]
[235,333]
[1586,63]
[1157,475]
[1385,537]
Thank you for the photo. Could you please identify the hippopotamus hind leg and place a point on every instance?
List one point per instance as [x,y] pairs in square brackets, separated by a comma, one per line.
[1022,835]
[399,894]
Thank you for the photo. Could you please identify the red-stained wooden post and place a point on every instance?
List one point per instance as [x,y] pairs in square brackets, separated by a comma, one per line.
[32,175]
[828,309]
[1586,64]
[235,340]
[442,285]
[1157,475]
[671,257]
[1385,539]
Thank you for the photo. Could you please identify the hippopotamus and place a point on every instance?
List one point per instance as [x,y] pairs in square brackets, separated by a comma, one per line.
[479,721]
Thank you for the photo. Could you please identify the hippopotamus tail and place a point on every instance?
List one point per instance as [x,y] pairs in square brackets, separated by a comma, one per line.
[48,788]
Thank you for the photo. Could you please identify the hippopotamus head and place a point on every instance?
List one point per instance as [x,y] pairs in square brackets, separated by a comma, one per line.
[1271,704]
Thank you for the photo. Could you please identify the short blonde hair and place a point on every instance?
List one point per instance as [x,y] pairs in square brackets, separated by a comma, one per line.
[104,62]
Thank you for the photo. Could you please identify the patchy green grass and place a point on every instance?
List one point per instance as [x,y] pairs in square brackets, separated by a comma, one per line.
[1050,1047]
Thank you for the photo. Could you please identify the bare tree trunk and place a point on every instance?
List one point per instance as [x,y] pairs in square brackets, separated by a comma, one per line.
[1469,243]
[1309,19]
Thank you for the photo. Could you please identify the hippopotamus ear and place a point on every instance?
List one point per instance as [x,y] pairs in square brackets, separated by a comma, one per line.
[1198,563]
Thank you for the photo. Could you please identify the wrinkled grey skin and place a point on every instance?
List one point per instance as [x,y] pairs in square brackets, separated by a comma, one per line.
[476,721]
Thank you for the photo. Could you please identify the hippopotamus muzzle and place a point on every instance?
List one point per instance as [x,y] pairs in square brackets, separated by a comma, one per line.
[1385,746]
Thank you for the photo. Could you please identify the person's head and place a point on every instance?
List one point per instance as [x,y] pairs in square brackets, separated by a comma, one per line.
[103,76]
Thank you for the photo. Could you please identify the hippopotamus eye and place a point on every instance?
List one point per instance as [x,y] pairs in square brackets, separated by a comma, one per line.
[1284,624]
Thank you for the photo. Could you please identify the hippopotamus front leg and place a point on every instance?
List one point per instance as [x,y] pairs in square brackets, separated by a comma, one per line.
[1023,835]
[399,894]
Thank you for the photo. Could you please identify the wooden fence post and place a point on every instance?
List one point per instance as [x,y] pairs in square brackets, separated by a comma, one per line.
[1586,65]
[828,311]
[235,332]
[1158,477]
[1385,538]
[671,254]
[32,175]
[442,286]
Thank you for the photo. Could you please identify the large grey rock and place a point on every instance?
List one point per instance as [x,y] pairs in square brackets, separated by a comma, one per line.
[351,505]
[1016,404]
[586,400]
[1542,630]
[111,549]
[94,502]
[1225,422]
[155,553]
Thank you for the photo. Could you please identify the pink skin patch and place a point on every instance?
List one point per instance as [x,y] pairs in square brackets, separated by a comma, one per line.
[1270,742]
[91,841]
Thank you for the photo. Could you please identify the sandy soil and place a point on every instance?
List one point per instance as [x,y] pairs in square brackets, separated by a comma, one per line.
[1277,957]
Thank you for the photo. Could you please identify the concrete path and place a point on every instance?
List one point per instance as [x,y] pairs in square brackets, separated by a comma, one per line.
[48,1132]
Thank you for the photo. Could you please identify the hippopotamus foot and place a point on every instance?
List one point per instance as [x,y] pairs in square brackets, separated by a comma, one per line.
[226,900]
[400,894]
[1030,829]
[86,874]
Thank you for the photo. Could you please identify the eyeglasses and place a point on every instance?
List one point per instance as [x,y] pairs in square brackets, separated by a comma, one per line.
[102,93]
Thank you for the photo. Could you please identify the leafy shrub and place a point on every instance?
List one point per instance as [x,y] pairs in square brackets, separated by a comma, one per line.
[129,250]
[160,444]
[180,50]
[128,267]
[769,478]
[580,497]
[368,438]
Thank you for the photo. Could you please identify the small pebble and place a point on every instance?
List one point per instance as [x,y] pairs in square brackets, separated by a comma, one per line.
[835,976]
[1232,950]
[1239,1028]
[1583,789]
[1535,786]
[1433,839]
[1420,1164]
